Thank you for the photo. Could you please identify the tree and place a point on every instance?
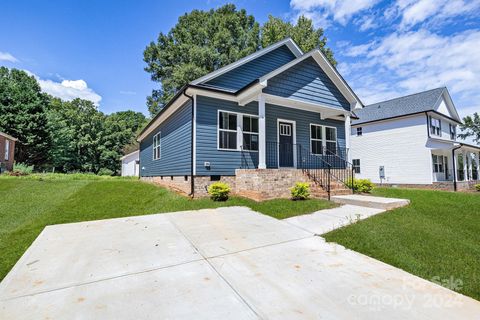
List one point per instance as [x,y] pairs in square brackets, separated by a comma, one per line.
[471,127]
[22,115]
[200,42]
[305,35]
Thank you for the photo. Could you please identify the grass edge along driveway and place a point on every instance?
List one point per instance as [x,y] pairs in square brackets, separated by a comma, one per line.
[436,237]
[31,203]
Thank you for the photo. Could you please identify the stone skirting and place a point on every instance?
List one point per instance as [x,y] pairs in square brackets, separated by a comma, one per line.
[256,184]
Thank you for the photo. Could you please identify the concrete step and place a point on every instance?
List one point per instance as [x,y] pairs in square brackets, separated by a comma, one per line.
[371,201]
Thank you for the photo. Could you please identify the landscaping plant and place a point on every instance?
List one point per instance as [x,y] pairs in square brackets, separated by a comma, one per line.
[477,187]
[362,185]
[219,191]
[301,191]
[21,169]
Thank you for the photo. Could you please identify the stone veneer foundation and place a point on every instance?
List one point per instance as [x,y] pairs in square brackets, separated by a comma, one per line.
[256,184]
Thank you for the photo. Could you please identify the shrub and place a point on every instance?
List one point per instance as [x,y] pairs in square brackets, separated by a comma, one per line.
[105,172]
[21,169]
[301,191]
[219,191]
[477,187]
[362,185]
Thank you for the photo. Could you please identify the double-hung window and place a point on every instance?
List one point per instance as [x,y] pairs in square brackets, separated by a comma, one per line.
[359,131]
[250,133]
[7,150]
[356,165]
[316,139]
[331,140]
[453,131]
[435,126]
[157,143]
[437,163]
[227,131]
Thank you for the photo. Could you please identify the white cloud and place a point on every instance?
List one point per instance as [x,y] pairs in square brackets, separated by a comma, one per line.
[403,63]
[5,56]
[434,11]
[69,90]
[339,10]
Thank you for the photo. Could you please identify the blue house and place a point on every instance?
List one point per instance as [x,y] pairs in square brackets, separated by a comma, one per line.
[261,123]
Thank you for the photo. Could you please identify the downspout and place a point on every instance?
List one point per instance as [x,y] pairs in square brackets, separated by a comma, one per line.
[454,168]
[192,181]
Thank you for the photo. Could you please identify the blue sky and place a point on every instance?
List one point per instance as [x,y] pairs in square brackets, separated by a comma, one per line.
[94,49]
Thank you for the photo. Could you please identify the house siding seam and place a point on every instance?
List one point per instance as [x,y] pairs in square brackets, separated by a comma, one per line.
[175,147]
[241,76]
[224,162]
[306,81]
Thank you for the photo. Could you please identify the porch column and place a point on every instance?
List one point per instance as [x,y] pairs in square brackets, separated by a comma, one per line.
[455,166]
[348,129]
[477,160]
[262,144]
[465,171]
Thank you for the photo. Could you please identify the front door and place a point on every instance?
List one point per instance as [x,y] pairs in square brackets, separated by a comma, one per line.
[285,144]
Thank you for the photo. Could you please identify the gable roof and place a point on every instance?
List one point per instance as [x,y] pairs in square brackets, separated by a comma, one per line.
[9,137]
[401,106]
[288,42]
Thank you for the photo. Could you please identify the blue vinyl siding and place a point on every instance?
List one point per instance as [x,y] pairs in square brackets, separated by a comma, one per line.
[306,81]
[175,147]
[302,119]
[239,77]
[222,162]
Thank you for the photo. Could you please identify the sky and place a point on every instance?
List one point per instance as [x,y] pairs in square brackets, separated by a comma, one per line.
[94,49]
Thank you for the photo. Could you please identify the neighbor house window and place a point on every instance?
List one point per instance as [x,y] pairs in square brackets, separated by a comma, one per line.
[435,126]
[356,165]
[316,139]
[157,145]
[453,132]
[250,133]
[359,131]
[227,131]
[331,139]
[7,150]
[437,163]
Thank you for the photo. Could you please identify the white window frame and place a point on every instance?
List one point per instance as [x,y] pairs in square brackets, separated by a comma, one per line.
[7,149]
[453,131]
[250,132]
[324,138]
[239,130]
[440,164]
[355,166]
[315,139]
[157,144]
[435,130]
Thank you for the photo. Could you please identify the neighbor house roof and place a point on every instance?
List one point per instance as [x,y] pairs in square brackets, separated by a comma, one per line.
[402,106]
[8,136]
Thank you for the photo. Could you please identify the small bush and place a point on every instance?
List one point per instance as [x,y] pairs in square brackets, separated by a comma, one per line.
[301,191]
[362,185]
[21,169]
[477,187]
[219,191]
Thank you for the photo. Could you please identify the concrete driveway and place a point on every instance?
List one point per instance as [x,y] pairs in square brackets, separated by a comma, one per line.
[228,263]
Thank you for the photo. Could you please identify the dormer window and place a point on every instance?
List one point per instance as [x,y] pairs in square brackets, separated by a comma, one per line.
[435,126]
[453,132]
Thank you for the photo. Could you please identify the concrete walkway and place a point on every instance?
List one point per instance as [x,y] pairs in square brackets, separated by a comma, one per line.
[228,263]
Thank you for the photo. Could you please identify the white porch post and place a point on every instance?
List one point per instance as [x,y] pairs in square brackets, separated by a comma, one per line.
[465,171]
[477,160]
[348,132]
[262,143]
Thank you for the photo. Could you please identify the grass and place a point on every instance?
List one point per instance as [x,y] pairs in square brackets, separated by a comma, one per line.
[30,203]
[436,237]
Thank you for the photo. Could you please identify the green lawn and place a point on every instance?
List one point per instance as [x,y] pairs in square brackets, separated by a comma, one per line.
[436,237]
[29,204]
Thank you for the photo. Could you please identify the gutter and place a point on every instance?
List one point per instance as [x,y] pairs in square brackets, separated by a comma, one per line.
[455,167]
[192,181]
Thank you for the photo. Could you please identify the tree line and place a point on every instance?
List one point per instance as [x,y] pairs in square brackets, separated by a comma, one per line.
[63,136]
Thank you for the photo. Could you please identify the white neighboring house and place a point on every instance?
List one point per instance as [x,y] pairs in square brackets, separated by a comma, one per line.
[130,164]
[412,141]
